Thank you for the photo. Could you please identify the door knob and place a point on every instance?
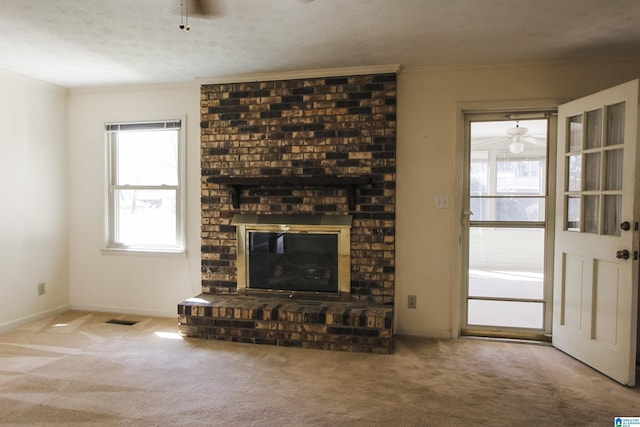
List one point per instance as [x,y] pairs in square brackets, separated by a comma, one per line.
[625,226]
[623,254]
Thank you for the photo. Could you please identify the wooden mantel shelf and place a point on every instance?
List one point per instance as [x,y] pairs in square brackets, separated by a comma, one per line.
[237,183]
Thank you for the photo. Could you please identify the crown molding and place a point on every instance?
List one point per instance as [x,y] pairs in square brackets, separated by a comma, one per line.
[301,74]
[417,69]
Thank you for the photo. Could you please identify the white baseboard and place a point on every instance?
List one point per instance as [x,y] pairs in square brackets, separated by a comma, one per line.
[126,310]
[32,318]
[426,333]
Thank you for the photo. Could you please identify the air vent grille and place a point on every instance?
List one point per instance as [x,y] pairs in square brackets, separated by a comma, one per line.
[122,322]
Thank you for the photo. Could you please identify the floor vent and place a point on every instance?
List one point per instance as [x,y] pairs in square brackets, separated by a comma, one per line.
[122,322]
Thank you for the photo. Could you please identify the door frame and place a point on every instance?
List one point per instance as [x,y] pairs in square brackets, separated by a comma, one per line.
[549,226]
[458,255]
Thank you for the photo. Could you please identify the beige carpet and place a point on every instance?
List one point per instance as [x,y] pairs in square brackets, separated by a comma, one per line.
[75,369]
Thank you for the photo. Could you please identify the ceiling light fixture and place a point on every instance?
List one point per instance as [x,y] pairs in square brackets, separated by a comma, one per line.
[516,133]
[184,15]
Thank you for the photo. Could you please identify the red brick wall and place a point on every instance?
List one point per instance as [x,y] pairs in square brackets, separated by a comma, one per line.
[339,126]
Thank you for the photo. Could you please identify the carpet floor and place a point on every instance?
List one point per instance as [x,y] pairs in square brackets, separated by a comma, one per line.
[76,369]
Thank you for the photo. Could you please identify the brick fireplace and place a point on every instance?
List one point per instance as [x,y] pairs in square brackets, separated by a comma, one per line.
[320,146]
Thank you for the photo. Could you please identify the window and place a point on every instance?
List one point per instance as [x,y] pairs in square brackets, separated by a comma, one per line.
[145,191]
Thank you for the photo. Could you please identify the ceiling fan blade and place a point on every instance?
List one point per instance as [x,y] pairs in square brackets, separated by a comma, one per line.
[489,140]
[540,141]
[204,8]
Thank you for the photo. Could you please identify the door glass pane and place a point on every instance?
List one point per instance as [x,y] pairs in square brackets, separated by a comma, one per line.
[574,166]
[575,133]
[480,209]
[592,171]
[516,314]
[520,209]
[613,172]
[615,124]
[479,173]
[520,176]
[507,209]
[506,262]
[594,129]
[573,213]
[612,220]
[591,213]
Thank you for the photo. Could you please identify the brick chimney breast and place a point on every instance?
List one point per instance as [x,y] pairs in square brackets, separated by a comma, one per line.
[334,127]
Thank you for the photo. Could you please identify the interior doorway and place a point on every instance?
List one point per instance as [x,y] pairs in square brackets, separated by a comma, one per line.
[508,232]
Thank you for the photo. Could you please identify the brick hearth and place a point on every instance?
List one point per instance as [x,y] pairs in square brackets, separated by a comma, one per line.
[298,323]
[338,127]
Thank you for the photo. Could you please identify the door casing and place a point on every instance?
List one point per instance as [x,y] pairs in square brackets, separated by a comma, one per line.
[458,269]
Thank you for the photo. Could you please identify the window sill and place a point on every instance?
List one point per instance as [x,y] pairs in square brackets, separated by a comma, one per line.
[144,252]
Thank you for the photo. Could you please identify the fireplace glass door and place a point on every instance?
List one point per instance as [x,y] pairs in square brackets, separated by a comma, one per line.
[286,261]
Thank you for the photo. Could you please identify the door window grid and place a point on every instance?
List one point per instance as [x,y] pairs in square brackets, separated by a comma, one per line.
[594,171]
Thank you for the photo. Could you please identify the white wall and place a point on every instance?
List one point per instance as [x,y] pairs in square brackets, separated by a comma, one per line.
[33,196]
[128,283]
[429,163]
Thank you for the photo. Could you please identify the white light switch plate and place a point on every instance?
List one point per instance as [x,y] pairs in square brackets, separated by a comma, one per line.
[442,201]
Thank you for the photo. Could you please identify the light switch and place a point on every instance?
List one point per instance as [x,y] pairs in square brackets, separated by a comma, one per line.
[442,201]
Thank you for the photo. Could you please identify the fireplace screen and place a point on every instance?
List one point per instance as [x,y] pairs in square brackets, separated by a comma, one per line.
[293,261]
[294,253]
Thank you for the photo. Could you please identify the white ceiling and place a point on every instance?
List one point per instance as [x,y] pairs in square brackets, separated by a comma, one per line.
[83,43]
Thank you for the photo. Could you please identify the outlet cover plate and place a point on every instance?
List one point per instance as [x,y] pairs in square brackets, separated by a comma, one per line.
[412,301]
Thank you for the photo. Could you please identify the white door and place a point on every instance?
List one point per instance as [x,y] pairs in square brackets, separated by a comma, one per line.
[596,241]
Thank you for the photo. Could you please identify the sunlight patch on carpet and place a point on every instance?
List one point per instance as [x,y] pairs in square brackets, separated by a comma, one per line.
[169,335]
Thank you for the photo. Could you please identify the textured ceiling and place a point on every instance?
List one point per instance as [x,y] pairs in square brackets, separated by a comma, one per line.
[82,43]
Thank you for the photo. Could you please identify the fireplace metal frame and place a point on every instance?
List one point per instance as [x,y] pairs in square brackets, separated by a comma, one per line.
[325,224]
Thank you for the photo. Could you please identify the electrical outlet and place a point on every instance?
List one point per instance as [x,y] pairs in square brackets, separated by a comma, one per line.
[41,288]
[412,301]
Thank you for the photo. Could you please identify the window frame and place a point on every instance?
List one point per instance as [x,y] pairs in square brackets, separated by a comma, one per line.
[111,130]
